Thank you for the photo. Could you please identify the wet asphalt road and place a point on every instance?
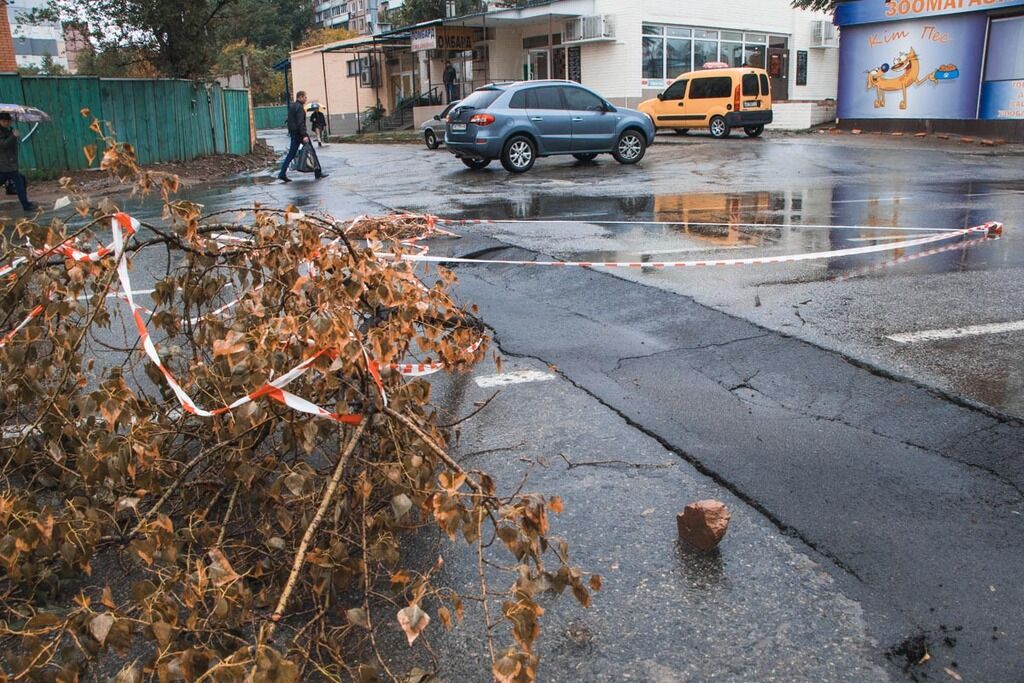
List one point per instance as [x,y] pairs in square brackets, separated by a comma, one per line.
[875,486]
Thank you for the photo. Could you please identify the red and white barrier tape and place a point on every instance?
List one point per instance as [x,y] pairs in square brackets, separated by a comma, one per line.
[991,228]
[705,224]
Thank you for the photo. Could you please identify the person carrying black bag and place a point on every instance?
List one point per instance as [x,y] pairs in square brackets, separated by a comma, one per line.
[299,137]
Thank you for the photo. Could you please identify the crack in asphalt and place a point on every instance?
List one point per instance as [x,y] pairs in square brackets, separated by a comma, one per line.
[675,349]
[695,462]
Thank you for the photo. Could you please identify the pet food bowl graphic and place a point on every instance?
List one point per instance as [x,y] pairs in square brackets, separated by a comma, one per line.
[947,72]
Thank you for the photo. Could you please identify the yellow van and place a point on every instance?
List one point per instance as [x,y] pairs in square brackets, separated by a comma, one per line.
[721,99]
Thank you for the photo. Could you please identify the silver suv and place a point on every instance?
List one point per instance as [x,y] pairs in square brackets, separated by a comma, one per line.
[518,122]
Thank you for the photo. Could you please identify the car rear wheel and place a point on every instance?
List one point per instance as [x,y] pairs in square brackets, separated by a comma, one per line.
[431,139]
[682,131]
[585,157]
[630,147]
[476,164]
[718,127]
[753,131]
[519,154]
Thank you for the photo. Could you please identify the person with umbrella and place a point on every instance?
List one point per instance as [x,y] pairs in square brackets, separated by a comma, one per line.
[9,160]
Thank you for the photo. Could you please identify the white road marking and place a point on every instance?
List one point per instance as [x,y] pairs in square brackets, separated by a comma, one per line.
[957,332]
[517,377]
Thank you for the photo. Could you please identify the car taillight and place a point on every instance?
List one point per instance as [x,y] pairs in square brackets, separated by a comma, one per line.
[482,119]
[736,99]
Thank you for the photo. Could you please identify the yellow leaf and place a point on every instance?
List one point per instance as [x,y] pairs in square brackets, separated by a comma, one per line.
[952,674]
[556,505]
[90,153]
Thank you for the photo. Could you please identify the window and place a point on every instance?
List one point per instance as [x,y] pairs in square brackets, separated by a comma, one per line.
[1005,60]
[654,57]
[518,100]
[481,99]
[678,58]
[765,89]
[578,99]
[669,51]
[710,88]
[544,98]
[750,85]
[703,52]
[676,91]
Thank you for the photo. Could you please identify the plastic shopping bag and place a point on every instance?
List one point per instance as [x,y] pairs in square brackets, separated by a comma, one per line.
[305,160]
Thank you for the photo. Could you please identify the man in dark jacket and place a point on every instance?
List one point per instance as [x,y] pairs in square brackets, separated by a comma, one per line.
[451,80]
[297,133]
[9,160]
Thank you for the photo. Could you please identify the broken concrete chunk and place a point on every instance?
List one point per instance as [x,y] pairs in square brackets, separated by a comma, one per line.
[703,524]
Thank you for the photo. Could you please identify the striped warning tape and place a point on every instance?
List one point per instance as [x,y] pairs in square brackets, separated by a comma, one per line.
[960,246]
[991,228]
[123,226]
[705,224]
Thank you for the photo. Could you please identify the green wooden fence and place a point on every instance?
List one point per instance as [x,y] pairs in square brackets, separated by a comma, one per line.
[271,117]
[165,120]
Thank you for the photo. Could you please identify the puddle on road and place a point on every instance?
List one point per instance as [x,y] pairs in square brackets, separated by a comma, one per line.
[745,222]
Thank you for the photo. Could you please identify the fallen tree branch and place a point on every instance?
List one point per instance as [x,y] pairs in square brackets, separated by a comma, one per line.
[267,630]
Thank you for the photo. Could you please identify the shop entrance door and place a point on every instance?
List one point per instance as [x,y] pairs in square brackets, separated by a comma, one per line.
[778,71]
[538,65]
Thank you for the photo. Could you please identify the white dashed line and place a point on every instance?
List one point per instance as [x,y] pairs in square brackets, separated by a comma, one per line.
[517,377]
[957,332]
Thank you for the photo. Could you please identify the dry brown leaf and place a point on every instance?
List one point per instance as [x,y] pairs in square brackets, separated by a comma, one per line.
[99,626]
[413,621]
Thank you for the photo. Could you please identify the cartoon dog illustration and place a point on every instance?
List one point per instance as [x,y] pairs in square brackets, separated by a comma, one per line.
[907,67]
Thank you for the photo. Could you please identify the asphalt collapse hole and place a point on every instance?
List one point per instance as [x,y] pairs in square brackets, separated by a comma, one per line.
[910,651]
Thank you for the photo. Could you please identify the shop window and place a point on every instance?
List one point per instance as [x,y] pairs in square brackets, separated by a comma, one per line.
[703,52]
[654,57]
[678,58]
[753,56]
[676,32]
[759,38]
[676,91]
[732,36]
[778,41]
[731,54]
[1005,60]
[710,88]
[651,30]
[703,34]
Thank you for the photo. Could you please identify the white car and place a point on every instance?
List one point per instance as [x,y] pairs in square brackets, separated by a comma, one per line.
[433,129]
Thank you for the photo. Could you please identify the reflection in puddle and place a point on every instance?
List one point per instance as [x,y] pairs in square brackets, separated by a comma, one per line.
[778,222]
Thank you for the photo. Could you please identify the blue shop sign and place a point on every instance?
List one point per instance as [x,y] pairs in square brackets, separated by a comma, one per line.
[872,11]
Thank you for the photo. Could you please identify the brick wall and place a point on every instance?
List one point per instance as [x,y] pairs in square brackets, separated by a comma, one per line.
[8,62]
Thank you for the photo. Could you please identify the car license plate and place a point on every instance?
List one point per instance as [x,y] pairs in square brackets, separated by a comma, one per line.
[458,127]
[750,103]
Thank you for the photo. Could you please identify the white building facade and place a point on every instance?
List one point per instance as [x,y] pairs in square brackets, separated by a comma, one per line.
[629,50]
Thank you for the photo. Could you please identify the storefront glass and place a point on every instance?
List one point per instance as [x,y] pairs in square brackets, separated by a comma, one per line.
[669,51]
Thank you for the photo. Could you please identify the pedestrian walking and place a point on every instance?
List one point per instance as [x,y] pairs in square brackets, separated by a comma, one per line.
[451,82]
[318,122]
[9,161]
[298,135]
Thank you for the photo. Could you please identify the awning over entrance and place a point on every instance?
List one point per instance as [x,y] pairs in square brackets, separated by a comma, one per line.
[556,10]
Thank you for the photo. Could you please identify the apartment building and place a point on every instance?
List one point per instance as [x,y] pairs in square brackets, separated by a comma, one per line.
[34,42]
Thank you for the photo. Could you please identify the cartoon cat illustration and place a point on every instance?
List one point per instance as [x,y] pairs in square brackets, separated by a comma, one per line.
[907,68]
